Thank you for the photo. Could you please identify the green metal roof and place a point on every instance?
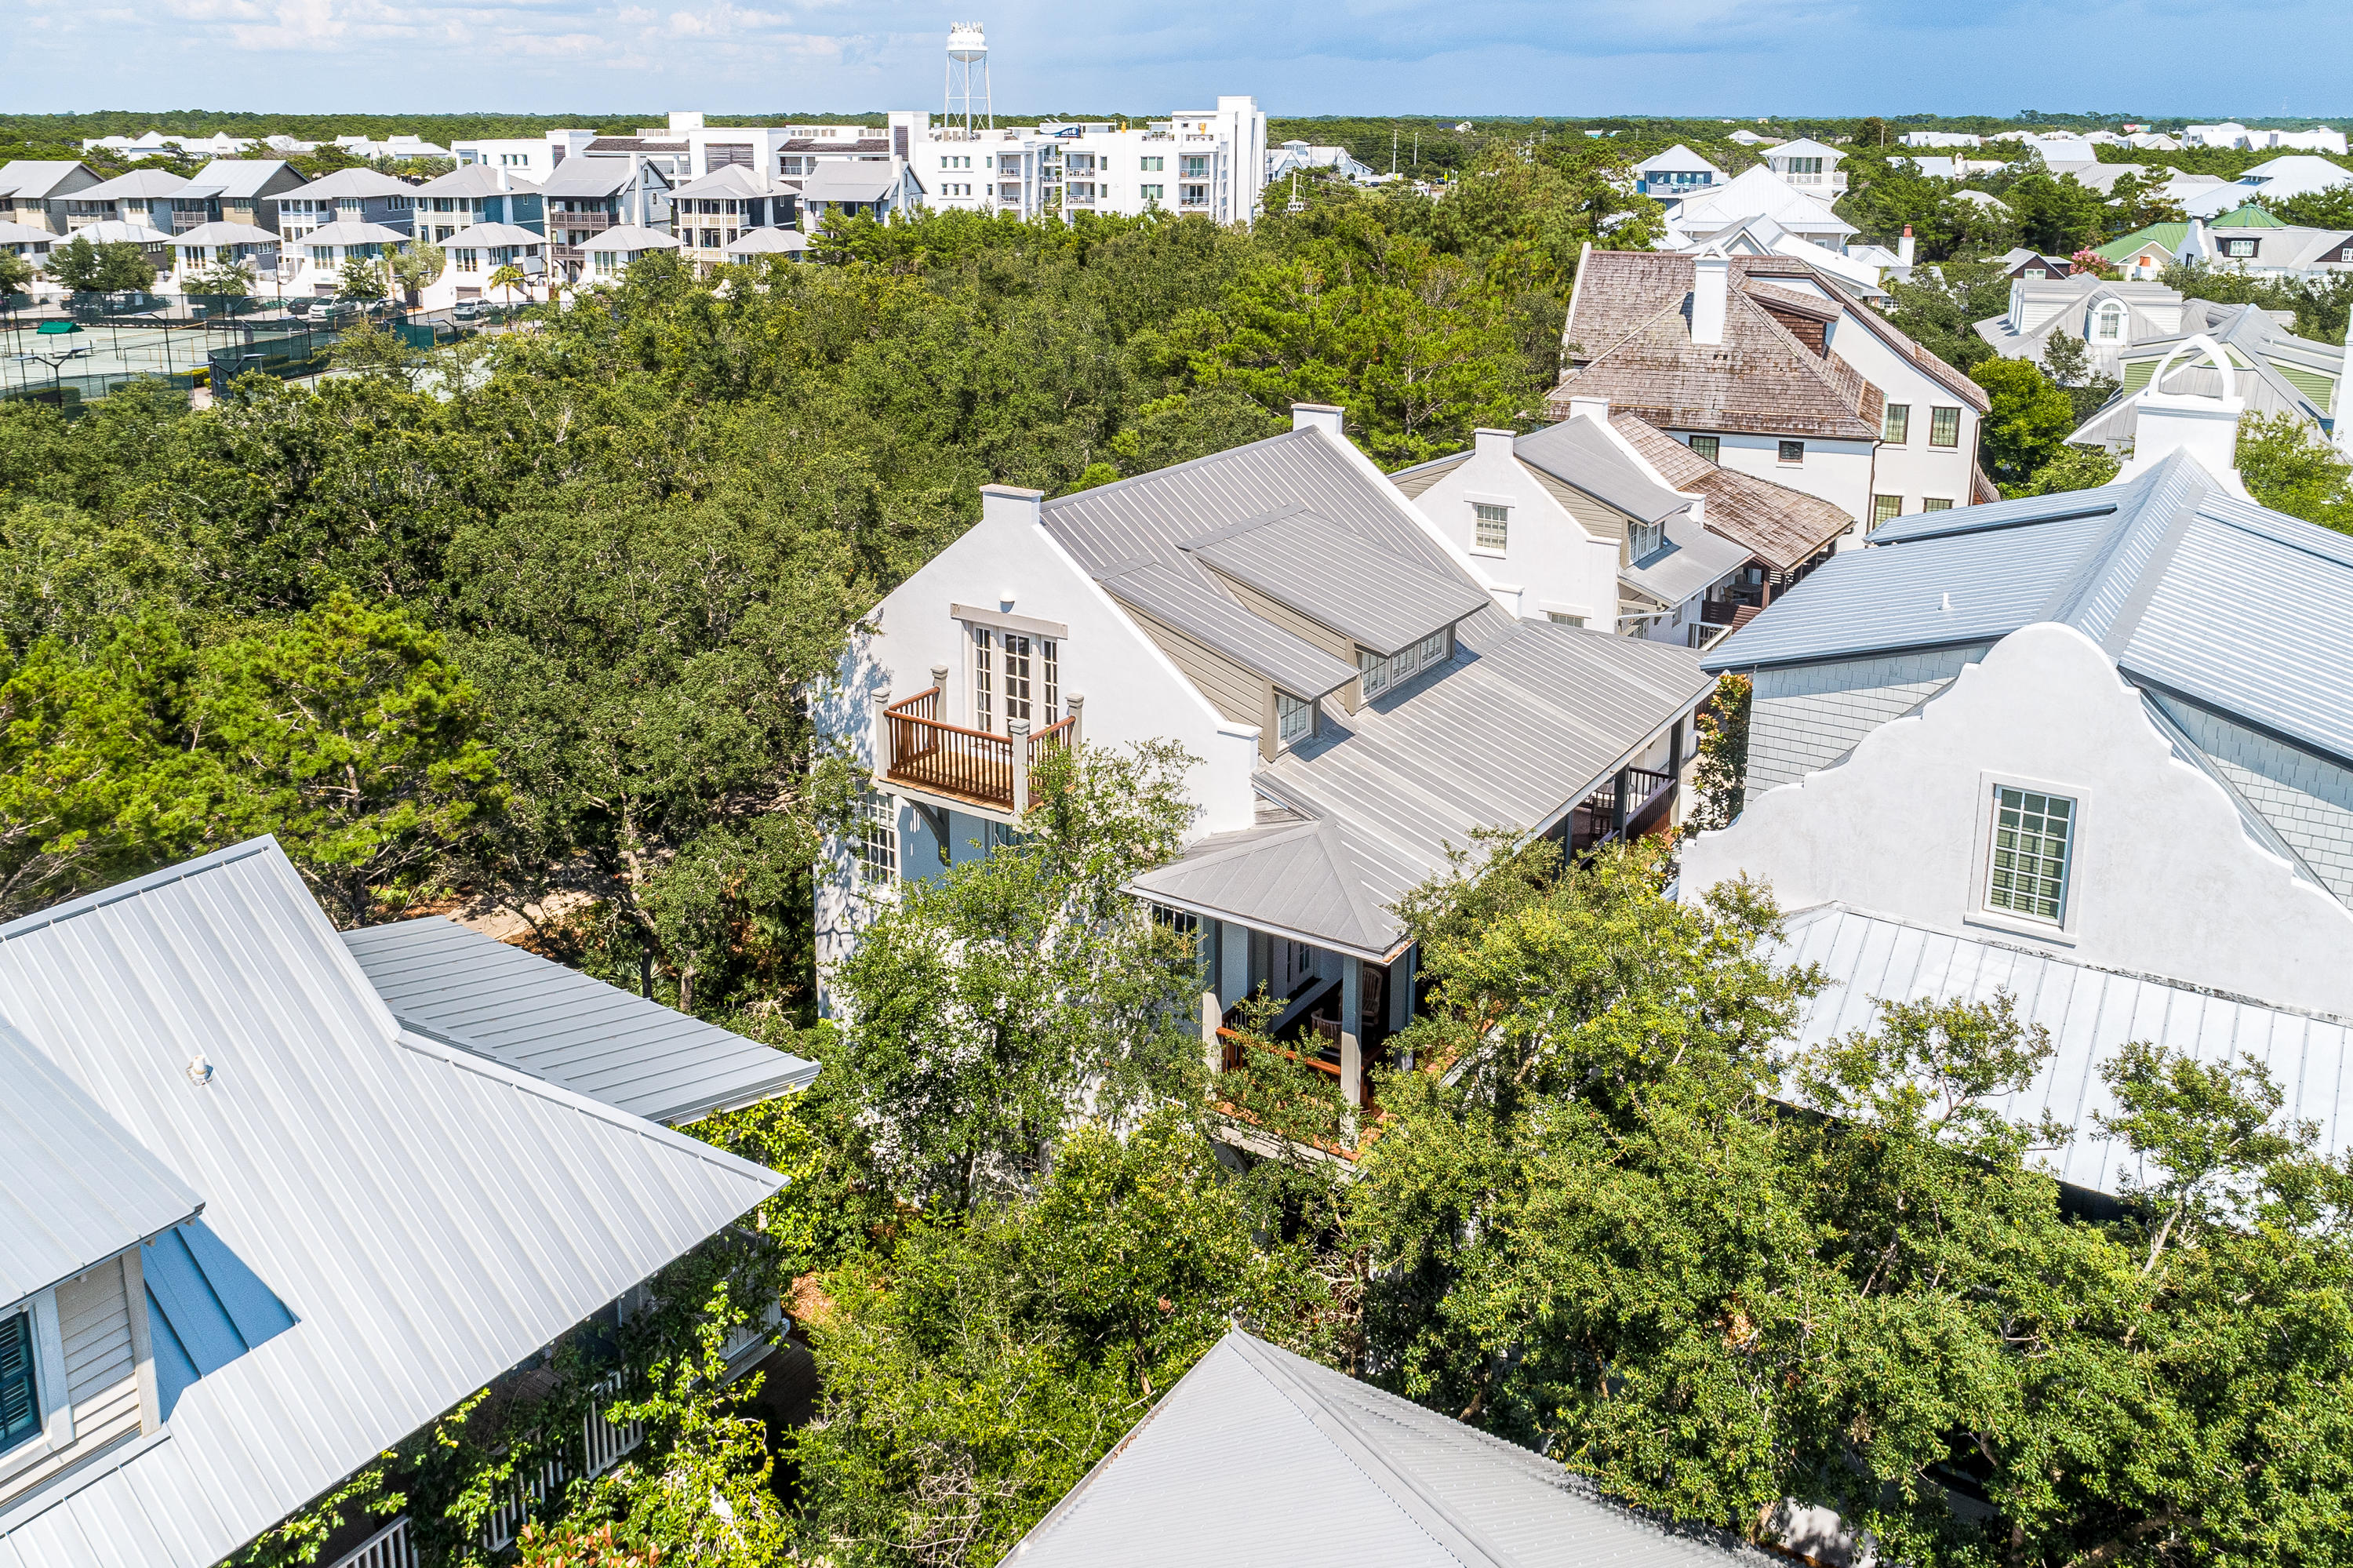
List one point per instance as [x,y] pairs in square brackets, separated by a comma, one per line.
[2170,235]
[2248,217]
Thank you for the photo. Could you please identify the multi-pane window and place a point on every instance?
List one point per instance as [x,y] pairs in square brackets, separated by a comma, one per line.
[1944,426]
[2111,321]
[1936,503]
[1195,167]
[1899,424]
[1293,720]
[1643,539]
[1149,166]
[20,1392]
[1379,673]
[2027,872]
[1491,525]
[1015,676]
[1793,451]
[1804,165]
[1706,447]
[1151,193]
[1884,507]
[878,838]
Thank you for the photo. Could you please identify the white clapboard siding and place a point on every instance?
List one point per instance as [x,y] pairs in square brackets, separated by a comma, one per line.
[101,1374]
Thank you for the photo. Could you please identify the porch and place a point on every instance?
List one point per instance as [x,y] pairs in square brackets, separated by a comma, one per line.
[918,753]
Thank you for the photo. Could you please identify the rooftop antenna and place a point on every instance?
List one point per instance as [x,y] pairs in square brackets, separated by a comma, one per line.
[968,54]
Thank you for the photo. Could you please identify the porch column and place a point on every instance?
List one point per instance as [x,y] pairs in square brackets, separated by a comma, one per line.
[1352,1029]
[1401,978]
[1233,963]
[1618,804]
[1676,773]
[1212,977]
[882,747]
[1017,732]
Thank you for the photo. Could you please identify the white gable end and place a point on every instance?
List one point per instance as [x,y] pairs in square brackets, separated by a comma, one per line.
[2162,877]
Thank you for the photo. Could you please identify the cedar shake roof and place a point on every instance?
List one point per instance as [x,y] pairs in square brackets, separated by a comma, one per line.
[1628,340]
[1783,527]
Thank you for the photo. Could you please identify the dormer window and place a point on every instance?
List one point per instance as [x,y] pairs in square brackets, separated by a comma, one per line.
[1380,671]
[2111,323]
[1294,720]
[20,1385]
[1644,539]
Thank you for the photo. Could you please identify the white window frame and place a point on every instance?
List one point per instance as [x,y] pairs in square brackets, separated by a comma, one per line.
[50,1381]
[2108,321]
[1642,539]
[877,827]
[1376,672]
[1981,909]
[1482,542]
[1295,719]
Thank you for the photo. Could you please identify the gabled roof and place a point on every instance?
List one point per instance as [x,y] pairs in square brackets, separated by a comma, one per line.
[137,182]
[1675,157]
[1807,147]
[2258,339]
[1758,193]
[2246,216]
[80,1189]
[1511,733]
[226,233]
[443,980]
[849,181]
[1780,526]
[490,236]
[2191,590]
[1690,557]
[36,177]
[478,180]
[1384,601]
[631,237]
[1576,453]
[737,180]
[1258,1455]
[351,233]
[423,1217]
[2168,236]
[236,176]
[1628,333]
[112,231]
[767,242]
[585,176]
[1185,602]
[348,183]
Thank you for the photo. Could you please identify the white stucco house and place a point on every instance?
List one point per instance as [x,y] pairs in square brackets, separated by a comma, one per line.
[1707,211]
[1608,521]
[2109,316]
[610,251]
[2094,750]
[1354,700]
[2297,174]
[1810,166]
[1775,368]
[1677,171]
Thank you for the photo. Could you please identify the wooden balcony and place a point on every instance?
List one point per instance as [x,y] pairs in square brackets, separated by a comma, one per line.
[920,753]
[1627,807]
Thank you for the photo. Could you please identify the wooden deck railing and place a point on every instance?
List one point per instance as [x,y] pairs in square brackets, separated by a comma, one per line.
[925,752]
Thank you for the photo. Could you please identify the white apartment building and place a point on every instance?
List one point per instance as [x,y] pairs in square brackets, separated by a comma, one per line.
[1211,161]
[533,159]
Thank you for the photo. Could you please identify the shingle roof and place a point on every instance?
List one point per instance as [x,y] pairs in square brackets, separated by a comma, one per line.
[80,1189]
[1258,1455]
[442,979]
[2191,590]
[1628,333]
[610,145]
[823,144]
[427,1217]
[1780,526]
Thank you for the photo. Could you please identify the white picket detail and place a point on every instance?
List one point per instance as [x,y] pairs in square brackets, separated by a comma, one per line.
[603,1445]
[604,1441]
[387,1548]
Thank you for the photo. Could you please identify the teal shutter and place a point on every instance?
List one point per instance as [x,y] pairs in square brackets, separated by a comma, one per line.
[20,1395]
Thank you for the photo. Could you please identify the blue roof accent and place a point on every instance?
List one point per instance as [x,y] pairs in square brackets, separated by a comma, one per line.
[2188,587]
[206,1307]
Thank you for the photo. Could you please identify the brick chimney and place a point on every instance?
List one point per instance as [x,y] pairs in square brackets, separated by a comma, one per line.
[1903,248]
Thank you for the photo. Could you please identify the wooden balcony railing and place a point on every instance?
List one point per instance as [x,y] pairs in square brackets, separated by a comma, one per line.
[925,752]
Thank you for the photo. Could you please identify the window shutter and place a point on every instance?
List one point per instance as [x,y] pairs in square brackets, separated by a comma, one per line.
[20,1395]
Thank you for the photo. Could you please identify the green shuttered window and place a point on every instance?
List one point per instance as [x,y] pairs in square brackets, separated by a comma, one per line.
[20,1393]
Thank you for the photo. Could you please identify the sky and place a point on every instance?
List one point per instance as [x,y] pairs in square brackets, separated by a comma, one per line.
[2193,58]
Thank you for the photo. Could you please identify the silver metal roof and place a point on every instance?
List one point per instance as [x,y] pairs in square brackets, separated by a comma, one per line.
[1258,1455]
[1691,558]
[1580,453]
[2190,589]
[350,183]
[78,1189]
[137,182]
[1383,601]
[2090,1013]
[586,177]
[1202,610]
[427,1217]
[558,1024]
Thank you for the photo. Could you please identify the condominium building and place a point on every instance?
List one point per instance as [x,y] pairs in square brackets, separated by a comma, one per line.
[1211,161]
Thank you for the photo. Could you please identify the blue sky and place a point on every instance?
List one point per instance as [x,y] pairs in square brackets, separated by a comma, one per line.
[2198,57]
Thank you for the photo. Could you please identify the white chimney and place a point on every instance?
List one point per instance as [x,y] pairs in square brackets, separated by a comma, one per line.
[1594,408]
[1318,416]
[2205,427]
[1903,248]
[1711,279]
[1491,443]
[1010,504]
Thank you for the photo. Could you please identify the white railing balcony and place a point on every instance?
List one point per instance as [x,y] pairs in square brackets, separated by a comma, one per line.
[387,1548]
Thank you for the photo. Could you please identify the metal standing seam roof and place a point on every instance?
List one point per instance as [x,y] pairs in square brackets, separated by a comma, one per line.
[2090,1014]
[848,180]
[585,177]
[487,236]
[458,986]
[1385,602]
[137,182]
[631,237]
[767,241]
[227,233]
[1578,453]
[1691,558]
[478,180]
[362,182]
[2190,589]
[1517,727]
[114,231]
[80,1189]
[36,177]
[427,1217]
[351,233]
[1311,1468]
[729,180]
[1201,611]
[236,176]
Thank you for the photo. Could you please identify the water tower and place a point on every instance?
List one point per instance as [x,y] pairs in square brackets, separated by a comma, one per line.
[968,66]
